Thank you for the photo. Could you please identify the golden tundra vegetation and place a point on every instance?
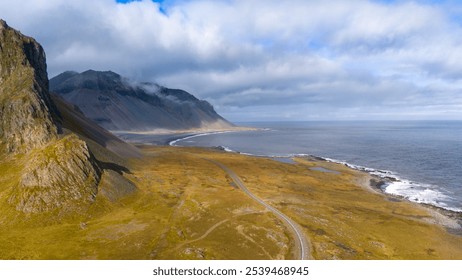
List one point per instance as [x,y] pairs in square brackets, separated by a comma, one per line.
[186,207]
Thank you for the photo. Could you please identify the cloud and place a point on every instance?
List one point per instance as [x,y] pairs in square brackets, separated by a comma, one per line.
[266,59]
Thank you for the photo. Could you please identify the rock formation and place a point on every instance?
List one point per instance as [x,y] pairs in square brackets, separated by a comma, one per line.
[61,176]
[57,170]
[25,106]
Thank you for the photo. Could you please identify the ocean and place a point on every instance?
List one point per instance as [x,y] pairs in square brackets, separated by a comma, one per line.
[424,157]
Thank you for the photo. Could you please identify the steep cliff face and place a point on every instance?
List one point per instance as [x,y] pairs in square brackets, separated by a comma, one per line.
[55,171]
[25,106]
[61,175]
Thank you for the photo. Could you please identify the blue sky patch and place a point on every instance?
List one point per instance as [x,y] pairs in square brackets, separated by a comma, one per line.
[128,1]
[161,2]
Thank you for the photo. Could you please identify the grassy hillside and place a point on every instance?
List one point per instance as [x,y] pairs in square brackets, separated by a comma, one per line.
[185,207]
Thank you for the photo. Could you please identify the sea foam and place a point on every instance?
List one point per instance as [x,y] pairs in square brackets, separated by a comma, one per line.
[413,191]
[394,183]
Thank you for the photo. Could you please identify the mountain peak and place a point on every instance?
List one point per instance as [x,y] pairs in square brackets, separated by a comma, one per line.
[3,24]
[116,103]
[92,72]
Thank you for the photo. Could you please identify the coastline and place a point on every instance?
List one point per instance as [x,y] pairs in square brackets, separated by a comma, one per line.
[377,180]
[376,183]
[449,219]
[342,217]
[163,137]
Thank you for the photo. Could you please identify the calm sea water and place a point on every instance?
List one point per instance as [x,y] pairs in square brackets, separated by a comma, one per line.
[425,157]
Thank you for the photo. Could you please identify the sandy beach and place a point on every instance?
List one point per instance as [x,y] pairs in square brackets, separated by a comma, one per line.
[164,137]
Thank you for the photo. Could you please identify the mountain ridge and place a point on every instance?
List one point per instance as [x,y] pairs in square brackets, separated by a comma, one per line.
[116,103]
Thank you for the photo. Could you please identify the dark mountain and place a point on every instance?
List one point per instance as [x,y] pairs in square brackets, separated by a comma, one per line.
[25,106]
[52,159]
[115,103]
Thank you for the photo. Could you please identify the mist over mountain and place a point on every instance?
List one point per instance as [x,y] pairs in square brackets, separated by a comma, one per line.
[116,103]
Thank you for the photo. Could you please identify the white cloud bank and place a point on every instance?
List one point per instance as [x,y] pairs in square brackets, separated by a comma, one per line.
[266,60]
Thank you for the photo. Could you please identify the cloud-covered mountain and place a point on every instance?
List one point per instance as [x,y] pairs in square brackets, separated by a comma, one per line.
[267,60]
[116,103]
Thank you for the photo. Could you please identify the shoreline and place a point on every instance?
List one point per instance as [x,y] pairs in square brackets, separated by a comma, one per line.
[454,226]
[164,137]
[450,219]
[337,208]
[379,183]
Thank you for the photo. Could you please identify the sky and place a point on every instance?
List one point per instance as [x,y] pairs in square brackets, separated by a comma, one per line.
[266,60]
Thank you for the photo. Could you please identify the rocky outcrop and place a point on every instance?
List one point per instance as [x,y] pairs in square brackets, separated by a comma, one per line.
[58,172]
[25,107]
[118,104]
[63,175]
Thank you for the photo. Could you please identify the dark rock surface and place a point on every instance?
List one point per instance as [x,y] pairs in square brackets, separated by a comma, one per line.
[115,103]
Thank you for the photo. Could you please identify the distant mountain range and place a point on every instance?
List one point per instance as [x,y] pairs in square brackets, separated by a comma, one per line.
[118,104]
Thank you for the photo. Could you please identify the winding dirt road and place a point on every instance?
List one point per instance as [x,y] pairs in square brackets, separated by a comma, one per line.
[301,242]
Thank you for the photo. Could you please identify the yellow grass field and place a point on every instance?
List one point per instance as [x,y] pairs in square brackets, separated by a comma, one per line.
[186,207]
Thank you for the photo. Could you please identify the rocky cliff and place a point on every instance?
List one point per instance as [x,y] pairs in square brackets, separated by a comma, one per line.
[55,169]
[115,103]
[25,106]
[62,176]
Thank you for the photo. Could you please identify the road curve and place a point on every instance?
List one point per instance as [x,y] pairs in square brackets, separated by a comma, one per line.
[301,242]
